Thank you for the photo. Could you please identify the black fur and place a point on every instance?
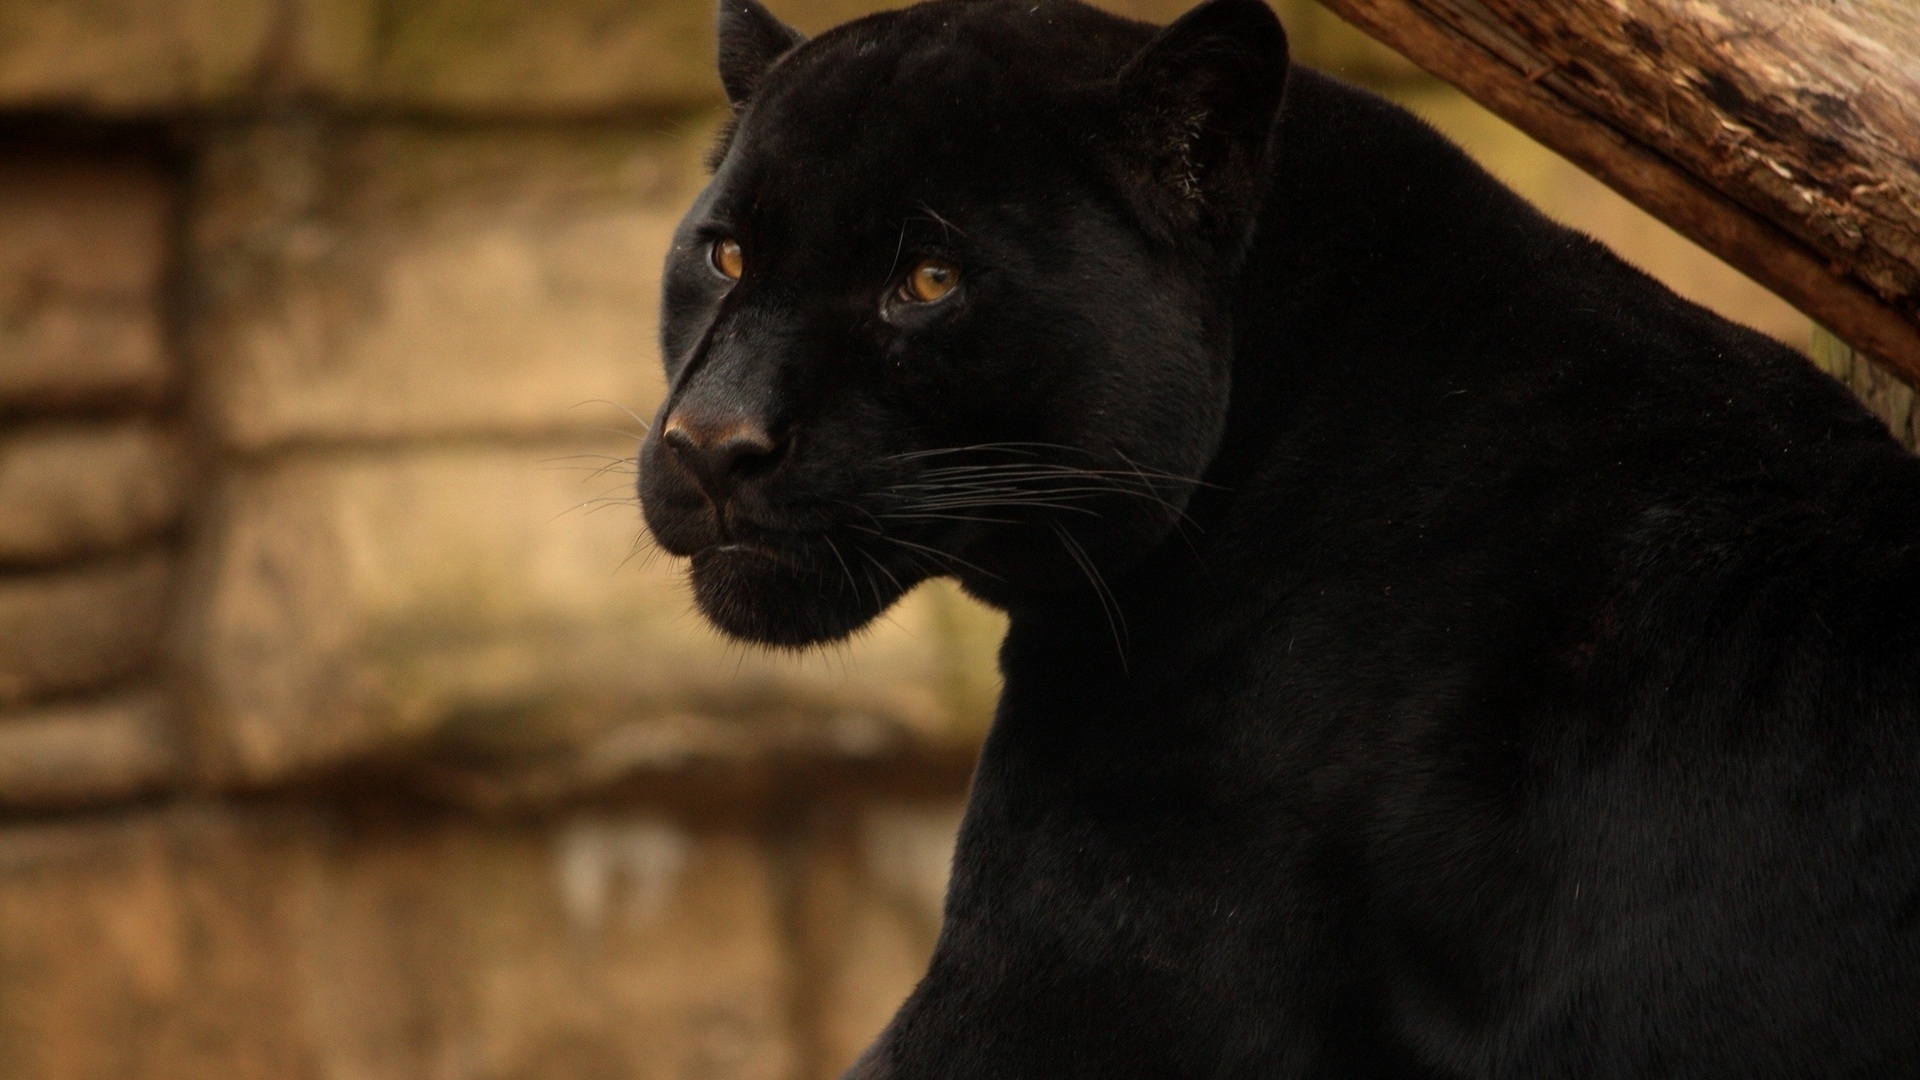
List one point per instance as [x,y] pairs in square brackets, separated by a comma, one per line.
[750,40]
[1437,650]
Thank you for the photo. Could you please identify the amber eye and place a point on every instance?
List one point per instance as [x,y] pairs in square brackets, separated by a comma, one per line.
[931,280]
[726,257]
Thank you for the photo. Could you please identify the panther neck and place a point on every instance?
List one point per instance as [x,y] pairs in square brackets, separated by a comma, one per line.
[1381,252]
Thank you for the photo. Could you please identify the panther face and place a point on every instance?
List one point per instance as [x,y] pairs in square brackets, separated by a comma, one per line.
[932,316]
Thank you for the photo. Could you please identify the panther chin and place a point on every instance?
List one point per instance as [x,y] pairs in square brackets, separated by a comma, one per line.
[757,593]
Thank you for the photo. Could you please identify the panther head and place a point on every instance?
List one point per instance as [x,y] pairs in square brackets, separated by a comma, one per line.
[956,301]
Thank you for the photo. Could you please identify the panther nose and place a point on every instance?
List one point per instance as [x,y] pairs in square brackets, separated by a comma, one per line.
[720,456]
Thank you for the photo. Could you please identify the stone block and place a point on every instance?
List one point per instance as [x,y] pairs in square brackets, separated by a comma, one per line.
[497,56]
[130,56]
[873,885]
[562,56]
[490,57]
[152,945]
[287,941]
[68,490]
[75,630]
[390,281]
[82,250]
[601,946]
[479,600]
[94,751]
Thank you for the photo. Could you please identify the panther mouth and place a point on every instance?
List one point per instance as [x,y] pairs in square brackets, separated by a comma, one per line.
[786,595]
[744,549]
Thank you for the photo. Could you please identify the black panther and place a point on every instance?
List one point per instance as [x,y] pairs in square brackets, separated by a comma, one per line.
[1435,650]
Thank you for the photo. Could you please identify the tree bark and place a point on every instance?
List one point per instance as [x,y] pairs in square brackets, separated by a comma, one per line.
[1783,135]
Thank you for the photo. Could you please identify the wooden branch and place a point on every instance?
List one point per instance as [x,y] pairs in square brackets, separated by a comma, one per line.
[1782,135]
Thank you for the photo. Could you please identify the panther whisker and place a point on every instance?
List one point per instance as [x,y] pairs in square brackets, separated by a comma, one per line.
[1059,489]
[942,222]
[1029,448]
[1060,494]
[844,568]
[1047,466]
[869,556]
[1109,603]
[933,551]
[1038,503]
[1177,517]
[1052,467]
[606,501]
[930,496]
[1019,483]
[598,502]
[645,427]
[643,543]
[1031,473]
[1118,479]
[609,464]
[964,518]
[915,455]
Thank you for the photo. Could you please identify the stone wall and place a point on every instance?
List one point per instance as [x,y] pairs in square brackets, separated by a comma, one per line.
[348,725]
[94,476]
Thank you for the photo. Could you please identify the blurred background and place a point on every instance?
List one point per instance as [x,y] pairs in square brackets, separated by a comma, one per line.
[348,727]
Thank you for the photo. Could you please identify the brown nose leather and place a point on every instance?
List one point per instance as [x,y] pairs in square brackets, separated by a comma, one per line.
[719,456]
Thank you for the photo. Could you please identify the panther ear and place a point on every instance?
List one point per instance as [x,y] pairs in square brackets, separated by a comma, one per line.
[750,40]
[1197,104]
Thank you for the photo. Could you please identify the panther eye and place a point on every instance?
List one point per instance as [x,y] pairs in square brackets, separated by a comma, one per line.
[931,279]
[726,258]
